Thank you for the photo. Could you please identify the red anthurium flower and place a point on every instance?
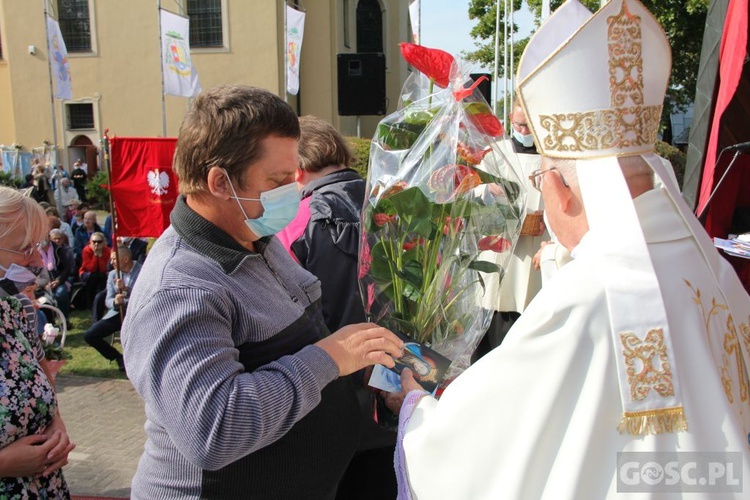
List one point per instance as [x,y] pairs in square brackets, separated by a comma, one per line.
[414,242]
[435,64]
[495,243]
[454,225]
[365,259]
[382,219]
[470,155]
[487,123]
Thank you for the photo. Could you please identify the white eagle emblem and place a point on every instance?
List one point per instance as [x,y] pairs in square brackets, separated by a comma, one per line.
[159,182]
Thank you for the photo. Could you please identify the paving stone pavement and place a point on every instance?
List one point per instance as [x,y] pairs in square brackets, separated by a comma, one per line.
[105,419]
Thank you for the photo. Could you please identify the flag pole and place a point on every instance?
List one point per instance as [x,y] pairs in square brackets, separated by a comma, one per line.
[286,55]
[497,51]
[49,73]
[505,60]
[113,213]
[512,53]
[161,71]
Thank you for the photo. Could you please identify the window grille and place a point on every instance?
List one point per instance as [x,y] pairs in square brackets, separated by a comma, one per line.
[80,116]
[205,23]
[75,24]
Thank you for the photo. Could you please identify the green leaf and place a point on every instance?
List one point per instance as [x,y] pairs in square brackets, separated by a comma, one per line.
[411,203]
[396,136]
[485,267]
[380,265]
[411,272]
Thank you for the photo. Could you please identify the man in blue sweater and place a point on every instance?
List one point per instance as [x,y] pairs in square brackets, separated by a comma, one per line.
[225,338]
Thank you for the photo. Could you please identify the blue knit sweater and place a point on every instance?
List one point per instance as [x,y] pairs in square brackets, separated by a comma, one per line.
[239,404]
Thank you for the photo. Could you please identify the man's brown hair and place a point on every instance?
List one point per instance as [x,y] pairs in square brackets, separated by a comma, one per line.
[321,145]
[224,128]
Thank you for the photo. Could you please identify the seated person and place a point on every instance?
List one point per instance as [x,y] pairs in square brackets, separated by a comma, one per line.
[93,271]
[83,233]
[118,290]
[60,263]
[137,247]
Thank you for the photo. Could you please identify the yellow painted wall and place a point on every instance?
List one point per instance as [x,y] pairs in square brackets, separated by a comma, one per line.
[122,76]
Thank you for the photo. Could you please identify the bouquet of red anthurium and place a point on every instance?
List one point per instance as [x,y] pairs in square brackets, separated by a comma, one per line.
[440,193]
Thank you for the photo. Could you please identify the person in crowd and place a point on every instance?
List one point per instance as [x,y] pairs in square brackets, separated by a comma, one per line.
[60,262]
[521,281]
[58,175]
[138,247]
[324,238]
[93,270]
[637,350]
[56,223]
[83,233]
[79,176]
[224,338]
[41,191]
[76,211]
[34,444]
[28,182]
[108,229]
[119,285]
[64,195]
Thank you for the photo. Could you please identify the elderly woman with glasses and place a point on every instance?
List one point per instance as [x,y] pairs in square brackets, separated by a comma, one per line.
[94,266]
[34,444]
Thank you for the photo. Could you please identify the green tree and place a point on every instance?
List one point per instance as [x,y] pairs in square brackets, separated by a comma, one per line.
[682,20]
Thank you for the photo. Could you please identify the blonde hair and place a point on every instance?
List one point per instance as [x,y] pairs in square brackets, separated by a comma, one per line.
[16,211]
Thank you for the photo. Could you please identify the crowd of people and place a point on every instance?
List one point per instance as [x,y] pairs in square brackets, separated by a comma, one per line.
[247,340]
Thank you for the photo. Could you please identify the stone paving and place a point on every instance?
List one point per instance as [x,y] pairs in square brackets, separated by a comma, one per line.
[105,419]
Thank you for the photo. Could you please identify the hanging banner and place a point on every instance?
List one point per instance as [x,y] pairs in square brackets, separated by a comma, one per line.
[415,14]
[143,185]
[60,66]
[295,29]
[180,77]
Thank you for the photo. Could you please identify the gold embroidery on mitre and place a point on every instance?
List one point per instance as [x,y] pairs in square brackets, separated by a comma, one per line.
[602,129]
[627,123]
[647,364]
[625,60]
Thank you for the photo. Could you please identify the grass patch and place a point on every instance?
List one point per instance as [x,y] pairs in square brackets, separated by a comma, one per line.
[82,359]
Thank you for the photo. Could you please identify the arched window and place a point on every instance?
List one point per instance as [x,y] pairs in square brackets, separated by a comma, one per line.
[369,26]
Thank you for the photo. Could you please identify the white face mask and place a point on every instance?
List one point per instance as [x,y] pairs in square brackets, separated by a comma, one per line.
[526,140]
[22,277]
[280,206]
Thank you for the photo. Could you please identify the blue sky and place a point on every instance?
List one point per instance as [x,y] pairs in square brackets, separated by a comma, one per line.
[446,25]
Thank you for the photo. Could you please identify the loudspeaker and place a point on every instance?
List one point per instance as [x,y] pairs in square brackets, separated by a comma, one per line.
[361,80]
[485,87]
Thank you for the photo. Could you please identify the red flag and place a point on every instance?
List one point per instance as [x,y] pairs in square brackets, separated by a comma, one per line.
[144,187]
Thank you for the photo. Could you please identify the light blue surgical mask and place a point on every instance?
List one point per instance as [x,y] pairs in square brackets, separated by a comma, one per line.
[526,140]
[280,206]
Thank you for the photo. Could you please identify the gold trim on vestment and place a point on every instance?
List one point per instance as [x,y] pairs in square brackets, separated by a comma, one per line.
[660,421]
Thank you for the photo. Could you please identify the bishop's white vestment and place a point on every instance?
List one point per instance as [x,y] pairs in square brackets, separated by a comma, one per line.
[537,417]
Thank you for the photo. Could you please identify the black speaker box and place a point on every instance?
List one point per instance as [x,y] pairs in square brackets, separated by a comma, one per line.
[485,87]
[361,78]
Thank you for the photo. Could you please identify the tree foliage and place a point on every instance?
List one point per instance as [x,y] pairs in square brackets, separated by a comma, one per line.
[682,20]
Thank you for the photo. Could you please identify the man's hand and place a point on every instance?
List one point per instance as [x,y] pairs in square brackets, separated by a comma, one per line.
[357,346]
[120,285]
[119,299]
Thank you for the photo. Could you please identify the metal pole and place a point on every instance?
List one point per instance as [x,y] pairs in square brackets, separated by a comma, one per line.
[49,73]
[505,61]
[497,50]
[512,55]
[286,56]
[161,70]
